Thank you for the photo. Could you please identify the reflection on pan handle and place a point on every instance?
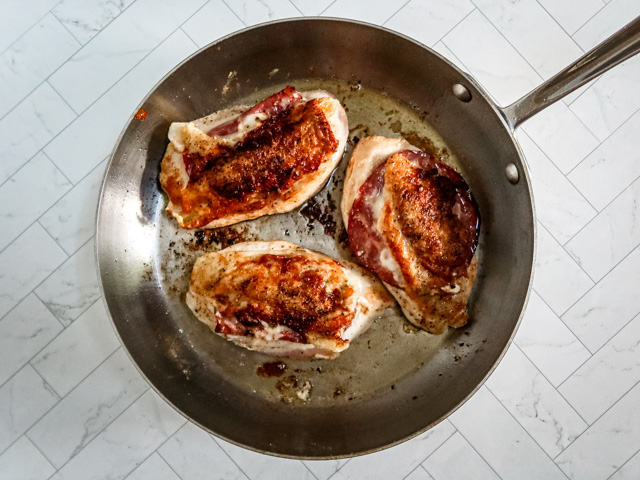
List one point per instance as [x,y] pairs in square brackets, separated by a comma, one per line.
[616,49]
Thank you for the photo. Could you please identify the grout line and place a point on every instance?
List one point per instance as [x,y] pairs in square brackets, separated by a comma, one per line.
[460,62]
[16,306]
[61,173]
[302,15]
[56,270]
[41,452]
[585,293]
[620,467]
[475,450]
[234,12]
[67,193]
[598,419]
[437,448]
[157,452]
[610,338]
[588,86]
[322,13]
[591,83]
[573,260]
[452,29]
[24,97]
[601,347]
[38,421]
[554,388]
[135,469]
[564,176]
[455,429]
[396,12]
[424,469]
[116,82]
[53,339]
[50,311]
[605,139]
[563,29]
[559,318]
[571,112]
[12,241]
[158,447]
[540,77]
[39,150]
[49,343]
[441,39]
[62,98]
[163,460]
[32,91]
[606,344]
[189,37]
[29,29]
[9,378]
[215,439]
[102,29]
[526,431]
[605,3]
[106,426]
[409,474]
[39,418]
[307,467]
[610,202]
[594,353]
[631,185]
[4,116]
[33,289]
[68,31]
[339,468]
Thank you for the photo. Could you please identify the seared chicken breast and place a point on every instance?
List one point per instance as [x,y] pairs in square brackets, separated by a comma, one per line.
[242,163]
[412,220]
[284,300]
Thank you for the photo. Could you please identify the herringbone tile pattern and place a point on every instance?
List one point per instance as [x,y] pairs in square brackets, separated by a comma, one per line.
[562,404]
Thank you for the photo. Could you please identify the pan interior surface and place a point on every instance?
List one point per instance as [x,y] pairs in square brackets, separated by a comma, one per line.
[394,381]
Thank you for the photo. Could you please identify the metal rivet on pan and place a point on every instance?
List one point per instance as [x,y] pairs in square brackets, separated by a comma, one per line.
[461,92]
[512,173]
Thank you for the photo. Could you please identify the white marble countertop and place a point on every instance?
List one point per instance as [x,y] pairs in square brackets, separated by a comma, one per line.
[562,404]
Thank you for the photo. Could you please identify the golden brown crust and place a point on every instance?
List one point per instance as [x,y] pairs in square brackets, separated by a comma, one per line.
[429,301]
[283,299]
[442,243]
[306,295]
[274,168]
[422,243]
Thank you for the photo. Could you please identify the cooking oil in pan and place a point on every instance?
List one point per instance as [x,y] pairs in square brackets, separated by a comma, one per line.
[390,352]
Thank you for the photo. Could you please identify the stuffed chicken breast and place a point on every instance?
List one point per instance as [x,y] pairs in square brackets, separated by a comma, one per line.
[412,221]
[284,300]
[242,163]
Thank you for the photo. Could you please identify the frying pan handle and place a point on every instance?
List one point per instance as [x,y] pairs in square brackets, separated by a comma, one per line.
[616,49]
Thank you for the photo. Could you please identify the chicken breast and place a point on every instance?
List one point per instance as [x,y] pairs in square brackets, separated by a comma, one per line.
[242,163]
[284,300]
[412,220]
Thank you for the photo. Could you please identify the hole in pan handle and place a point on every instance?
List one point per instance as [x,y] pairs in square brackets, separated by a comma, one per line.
[622,45]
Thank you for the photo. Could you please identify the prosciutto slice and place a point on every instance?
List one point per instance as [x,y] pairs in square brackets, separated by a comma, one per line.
[244,162]
[414,223]
[273,105]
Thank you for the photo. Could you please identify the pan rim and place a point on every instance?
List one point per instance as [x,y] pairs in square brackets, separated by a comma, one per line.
[525,173]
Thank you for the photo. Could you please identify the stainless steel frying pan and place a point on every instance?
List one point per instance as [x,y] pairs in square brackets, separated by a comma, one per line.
[393,382]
